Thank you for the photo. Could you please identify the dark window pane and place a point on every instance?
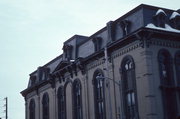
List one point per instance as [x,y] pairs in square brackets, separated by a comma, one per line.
[77,107]
[99,97]
[167,83]
[129,88]
[45,103]
[61,104]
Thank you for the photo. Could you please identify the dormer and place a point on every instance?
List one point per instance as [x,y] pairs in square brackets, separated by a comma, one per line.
[175,20]
[111,31]
[32,81]
[97,41]
[70,48]
[67,49]
[125,26]
[160,18]
[42,73]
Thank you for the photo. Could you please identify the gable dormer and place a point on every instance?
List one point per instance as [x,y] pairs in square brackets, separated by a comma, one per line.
[42,73]
[67,49]
[160,18]
[175,20]
[125,26]
[70,48]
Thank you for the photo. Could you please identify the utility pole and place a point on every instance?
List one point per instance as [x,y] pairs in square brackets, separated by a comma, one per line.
[6,104]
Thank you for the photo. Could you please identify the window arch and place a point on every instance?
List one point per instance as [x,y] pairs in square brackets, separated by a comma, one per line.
[129,88]
[77,104]
[167,84]
[45,106]
[32,109]
[99,96]
[61,103]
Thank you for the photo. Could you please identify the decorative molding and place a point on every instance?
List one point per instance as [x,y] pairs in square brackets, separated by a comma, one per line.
[95,64]
[165,43]
[123,51]
[144,38]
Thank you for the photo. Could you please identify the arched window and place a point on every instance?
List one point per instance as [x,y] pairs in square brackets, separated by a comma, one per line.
[167,84]
[177,65]
[77,104]
[32,109]
[129,88]
[61,104]
[99,96]
[45,106]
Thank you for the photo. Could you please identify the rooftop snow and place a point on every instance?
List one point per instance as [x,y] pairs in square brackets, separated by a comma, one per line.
[174,15]
[160,11]
[167,28]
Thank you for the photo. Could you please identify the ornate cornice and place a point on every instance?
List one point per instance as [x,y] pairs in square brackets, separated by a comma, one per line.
[165,43]
[95,64]
[123,51]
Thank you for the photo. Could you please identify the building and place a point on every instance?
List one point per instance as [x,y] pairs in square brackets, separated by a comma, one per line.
[130,69]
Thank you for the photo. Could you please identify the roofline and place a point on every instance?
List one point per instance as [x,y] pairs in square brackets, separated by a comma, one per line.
[127,14]
[47,63]
[75,37]
[104,28]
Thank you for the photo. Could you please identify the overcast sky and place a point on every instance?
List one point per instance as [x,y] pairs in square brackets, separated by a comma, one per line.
[32,33]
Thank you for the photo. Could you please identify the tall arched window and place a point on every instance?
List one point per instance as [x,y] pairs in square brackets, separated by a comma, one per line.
[129,88]
[61,104]
[45,106]
[99,96]
[32,109]
[167,84]
[77,104]
[177,65]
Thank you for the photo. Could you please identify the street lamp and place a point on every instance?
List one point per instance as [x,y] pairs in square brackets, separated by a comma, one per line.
[102,78]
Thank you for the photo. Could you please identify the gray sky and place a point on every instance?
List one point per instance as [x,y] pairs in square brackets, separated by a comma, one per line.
[32,33]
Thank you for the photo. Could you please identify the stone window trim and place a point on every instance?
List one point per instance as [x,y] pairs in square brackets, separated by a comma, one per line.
[99,95]
[165,67]
[77,100]
[129,90]
[45,106]
[61,103]
[177,67]
[167,84]
[32,111]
